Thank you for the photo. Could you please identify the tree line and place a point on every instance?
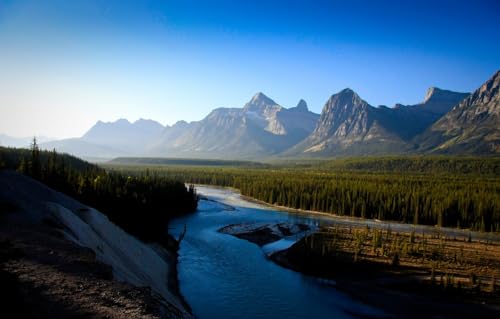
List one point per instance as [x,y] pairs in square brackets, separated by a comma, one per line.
[450,200]
[142,204]
[425,164]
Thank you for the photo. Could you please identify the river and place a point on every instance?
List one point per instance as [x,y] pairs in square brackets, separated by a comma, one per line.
[222,276]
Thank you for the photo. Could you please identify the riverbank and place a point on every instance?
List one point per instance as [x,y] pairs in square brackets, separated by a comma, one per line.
[220,274]
[458,233]
[64,259]
[406,274]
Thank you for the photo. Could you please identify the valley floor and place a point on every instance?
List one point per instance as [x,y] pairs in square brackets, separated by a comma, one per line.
[406,274]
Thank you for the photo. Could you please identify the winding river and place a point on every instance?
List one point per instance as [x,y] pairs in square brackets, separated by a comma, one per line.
[222,276]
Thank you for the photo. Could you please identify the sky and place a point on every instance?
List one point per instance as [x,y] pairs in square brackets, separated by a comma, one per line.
[64,65]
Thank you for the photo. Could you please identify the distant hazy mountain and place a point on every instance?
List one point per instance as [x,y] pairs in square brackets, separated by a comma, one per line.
[84,149]
[260,128]
[6,140]
[348,125]
[111,139]
[123,134]
[473,126]
[169,134]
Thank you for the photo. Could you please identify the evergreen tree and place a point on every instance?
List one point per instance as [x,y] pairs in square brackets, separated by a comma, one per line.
[35,164]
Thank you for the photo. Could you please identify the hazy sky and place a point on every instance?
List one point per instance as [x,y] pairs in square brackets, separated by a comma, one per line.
[66,64]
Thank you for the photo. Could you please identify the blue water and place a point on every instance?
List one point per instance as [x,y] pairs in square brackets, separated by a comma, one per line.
[222,276]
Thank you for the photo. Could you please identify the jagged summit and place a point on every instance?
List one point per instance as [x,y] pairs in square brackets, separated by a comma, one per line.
[440,101]
[123,135]
[121,121]
[432,91]
[489,91]
[258,102]
[260,97]
[485,100]
[118,121]
[346,98]
[496,76]
[141,120]
[181,123]
[347,91]
[301,106]
[124,123]
[436,94]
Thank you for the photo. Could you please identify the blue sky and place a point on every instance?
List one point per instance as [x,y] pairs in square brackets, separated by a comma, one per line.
[66,64]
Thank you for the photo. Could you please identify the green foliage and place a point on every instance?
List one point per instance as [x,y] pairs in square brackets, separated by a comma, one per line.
[141,203]
[469,200]
[423,164]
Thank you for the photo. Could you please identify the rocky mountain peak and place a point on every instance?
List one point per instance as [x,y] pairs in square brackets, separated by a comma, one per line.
[346,99]
[103,125]
[435,94]
[301,106]
[259,102]
[489,91]
[344,116]
[347,91]
[432,91]
[485,99]
[180,123]
[440,101]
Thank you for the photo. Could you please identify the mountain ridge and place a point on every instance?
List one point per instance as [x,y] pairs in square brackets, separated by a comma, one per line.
[260,128]
[472,126]
[347,125]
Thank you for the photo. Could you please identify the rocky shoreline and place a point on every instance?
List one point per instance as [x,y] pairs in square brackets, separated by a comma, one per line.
[263,234]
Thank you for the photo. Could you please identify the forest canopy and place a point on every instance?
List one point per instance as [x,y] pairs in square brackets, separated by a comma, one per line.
[451,192]
[142,204]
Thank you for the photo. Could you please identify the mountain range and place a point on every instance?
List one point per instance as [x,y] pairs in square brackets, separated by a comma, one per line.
[111,139]
[260,128]
[348,125]
[445,122]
